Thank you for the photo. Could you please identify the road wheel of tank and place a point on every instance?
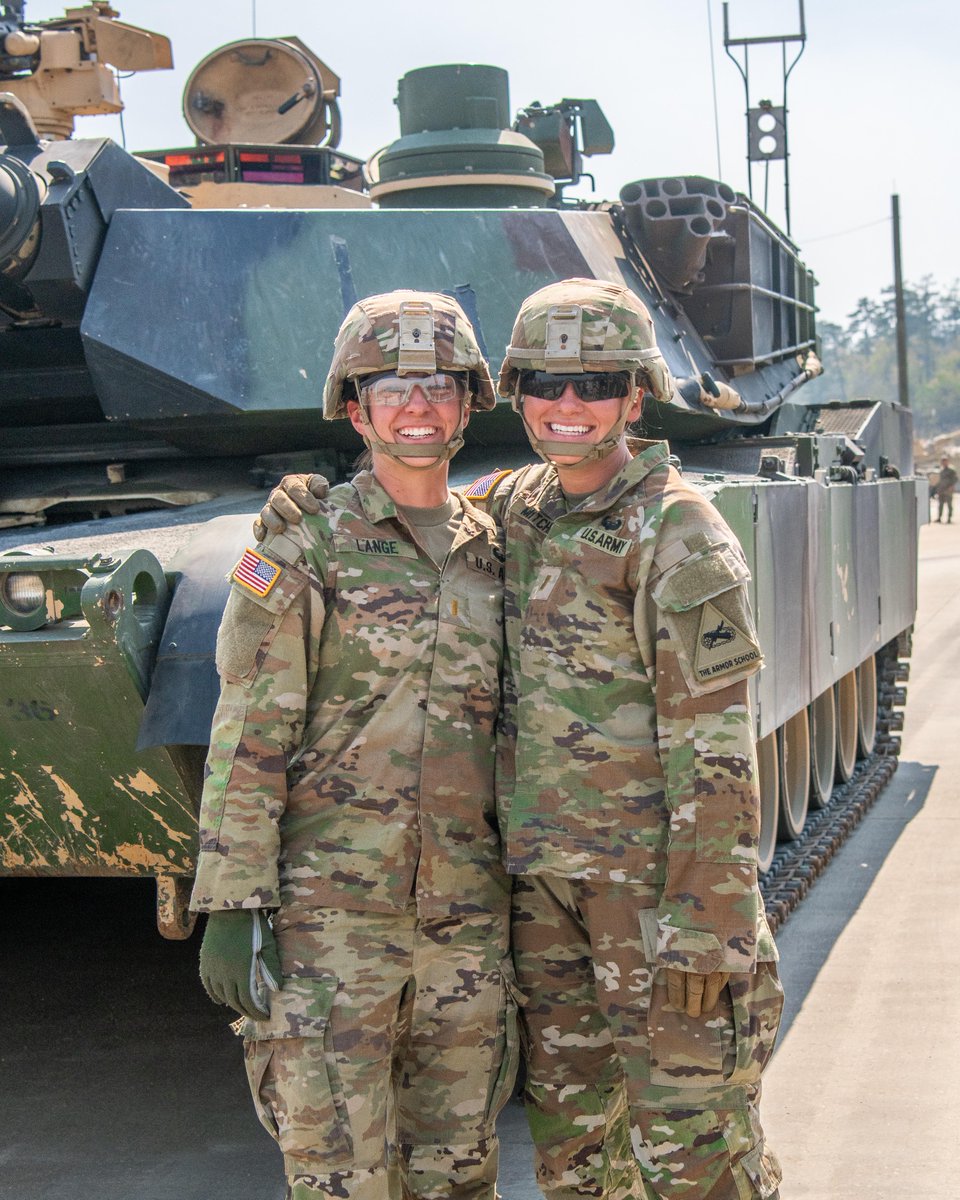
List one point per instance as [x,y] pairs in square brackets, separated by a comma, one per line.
[866,706]
[768,779]
[845,695]
[793,743]
[822,718]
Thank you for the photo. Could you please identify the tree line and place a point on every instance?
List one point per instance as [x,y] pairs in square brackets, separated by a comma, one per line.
[860,355]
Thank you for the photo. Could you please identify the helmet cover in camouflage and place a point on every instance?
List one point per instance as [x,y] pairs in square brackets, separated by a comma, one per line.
[409,332]
[581,325]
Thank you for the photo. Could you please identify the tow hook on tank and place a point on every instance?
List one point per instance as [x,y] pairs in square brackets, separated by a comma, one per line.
[174,918]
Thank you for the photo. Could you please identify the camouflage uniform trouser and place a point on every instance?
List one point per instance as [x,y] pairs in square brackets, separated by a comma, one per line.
[387,1055]
[611,1066]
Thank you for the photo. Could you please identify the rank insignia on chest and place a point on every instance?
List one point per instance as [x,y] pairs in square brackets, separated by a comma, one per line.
[255,572]
[721,646]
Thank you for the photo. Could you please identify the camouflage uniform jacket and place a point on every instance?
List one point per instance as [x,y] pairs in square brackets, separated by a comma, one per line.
[352,754]
[628,751]
[946,482]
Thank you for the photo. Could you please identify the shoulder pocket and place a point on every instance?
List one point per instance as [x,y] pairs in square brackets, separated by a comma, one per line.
[703,603]
[249,625]
[700,577]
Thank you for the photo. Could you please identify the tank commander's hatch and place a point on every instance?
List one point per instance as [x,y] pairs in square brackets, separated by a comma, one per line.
[263,91]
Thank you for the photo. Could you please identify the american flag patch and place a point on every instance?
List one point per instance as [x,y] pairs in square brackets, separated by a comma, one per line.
[481,488]
[255,572]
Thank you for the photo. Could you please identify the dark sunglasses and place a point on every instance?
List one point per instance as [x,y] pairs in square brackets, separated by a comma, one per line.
[590,386]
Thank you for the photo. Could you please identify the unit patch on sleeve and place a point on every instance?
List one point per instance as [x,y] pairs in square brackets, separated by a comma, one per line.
[722,647]
[255,572]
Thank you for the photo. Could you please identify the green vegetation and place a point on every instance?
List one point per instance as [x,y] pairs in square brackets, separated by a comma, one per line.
[860,356]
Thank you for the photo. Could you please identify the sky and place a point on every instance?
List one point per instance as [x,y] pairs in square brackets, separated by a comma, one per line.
[872,100]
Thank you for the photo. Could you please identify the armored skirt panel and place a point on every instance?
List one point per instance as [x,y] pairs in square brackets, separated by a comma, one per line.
[627,751]
[353,759]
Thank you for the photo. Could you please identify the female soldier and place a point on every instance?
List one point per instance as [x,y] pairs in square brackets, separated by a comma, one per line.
[628,797]
[349,792]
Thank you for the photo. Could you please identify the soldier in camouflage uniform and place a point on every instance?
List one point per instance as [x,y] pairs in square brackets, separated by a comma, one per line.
[349,793]
[944,488]
[627,795]
[627,791]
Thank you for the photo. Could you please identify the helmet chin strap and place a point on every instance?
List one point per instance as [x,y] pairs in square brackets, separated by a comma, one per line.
[400,450]
[588,451]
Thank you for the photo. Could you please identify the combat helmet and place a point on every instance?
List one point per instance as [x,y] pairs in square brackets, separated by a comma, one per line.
[580,325]
[407,332]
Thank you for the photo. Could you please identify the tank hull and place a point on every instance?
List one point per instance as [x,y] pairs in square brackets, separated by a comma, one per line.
[209,332]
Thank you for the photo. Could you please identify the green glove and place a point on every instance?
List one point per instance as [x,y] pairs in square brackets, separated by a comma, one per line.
[239,961]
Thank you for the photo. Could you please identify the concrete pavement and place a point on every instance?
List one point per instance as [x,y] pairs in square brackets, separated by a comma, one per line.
[860,1100]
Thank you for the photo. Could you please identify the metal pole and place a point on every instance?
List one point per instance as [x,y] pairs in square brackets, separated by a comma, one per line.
[902,385]
[786,145]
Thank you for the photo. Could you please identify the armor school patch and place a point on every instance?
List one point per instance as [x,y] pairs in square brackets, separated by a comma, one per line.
[255,572]
[721,646]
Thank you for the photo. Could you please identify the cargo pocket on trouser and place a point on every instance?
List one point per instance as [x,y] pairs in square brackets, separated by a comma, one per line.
[731,1046]
[293,1078]
[758,1174]
[755,1168]
[757,1009]
[504,1076]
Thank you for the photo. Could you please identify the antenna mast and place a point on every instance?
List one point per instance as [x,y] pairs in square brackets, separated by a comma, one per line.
[767,123]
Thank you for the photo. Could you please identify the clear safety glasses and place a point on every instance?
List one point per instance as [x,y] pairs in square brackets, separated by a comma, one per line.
[590,386]
[393,391]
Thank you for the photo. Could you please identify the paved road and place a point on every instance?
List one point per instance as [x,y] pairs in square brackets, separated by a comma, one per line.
[861,1099]
[122,1082]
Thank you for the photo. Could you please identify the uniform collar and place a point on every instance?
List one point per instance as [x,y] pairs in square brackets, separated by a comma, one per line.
[374,499]
[378,505]
[646,457]
[549,499]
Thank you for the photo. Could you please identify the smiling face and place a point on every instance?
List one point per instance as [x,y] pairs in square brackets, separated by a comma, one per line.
[418,421]
[570,419]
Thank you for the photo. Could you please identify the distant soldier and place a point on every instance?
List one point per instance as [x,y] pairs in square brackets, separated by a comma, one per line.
[943,489]
[349,793]
[627,788]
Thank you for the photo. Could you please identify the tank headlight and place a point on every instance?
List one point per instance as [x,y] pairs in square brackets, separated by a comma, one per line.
[49,594]
[23,593]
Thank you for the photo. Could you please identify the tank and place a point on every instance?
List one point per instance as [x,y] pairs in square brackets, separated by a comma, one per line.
[162,354]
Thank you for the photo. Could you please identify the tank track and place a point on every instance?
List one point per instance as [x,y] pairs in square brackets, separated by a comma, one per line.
[797,865]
